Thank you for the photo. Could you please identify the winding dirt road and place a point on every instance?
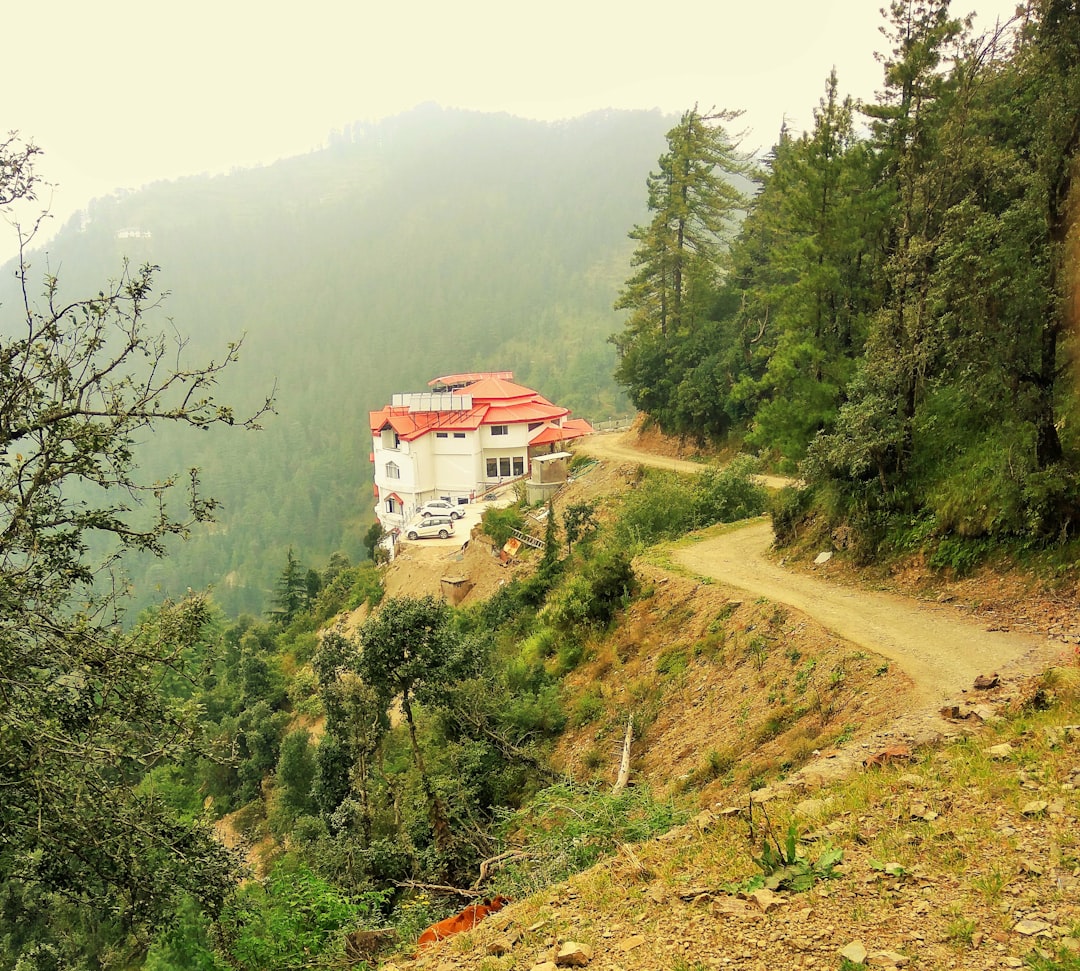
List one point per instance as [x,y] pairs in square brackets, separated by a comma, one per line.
[941,651]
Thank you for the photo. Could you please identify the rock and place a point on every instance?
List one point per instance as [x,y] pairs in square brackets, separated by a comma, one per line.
[573,954]
[545,966]
[731,906]
[854,953]
[1002,751]
[631,942]
[704,821]
[766,899]
[1029,928]
[1035,808]
[984,682]
[823,557]
[504,943]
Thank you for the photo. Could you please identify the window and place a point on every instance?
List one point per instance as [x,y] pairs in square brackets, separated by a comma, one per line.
[519,465]
[459,434]
[500,429]
[392,471]
[504,468]
[441,435]
[391,505]
[533,425]
[492,468]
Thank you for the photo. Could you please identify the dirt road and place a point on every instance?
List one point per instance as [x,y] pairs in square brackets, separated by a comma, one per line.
[939,649]
[619,447]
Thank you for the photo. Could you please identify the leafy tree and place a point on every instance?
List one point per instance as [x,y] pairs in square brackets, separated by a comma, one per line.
[82,719]
[410,651]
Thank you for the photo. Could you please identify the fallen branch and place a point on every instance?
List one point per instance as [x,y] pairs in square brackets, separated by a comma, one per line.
[624,762]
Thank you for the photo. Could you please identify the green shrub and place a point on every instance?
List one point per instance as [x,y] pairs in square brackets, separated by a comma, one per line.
[673,660]
[789,508]
[729,494]
[566,828]
[661,507]
[500,523]
[588,708]
[591,598]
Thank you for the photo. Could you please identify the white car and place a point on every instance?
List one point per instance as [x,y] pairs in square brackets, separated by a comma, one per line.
[440,507]
[441,526]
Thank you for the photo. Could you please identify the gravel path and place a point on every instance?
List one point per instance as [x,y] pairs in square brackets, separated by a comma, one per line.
[941,651]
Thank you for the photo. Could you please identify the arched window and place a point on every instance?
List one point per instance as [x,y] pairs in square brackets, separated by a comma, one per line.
[392,470]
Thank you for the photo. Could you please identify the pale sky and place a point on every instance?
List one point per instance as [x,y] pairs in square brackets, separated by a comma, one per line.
[121,93]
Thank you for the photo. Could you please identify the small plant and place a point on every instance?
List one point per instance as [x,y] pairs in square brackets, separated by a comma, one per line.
[991,885]
[758,649]
[845,736]
[672,661]
[783,866]
[718,763]
[961,931]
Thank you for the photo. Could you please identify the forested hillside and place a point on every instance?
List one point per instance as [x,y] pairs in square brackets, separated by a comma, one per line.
[895,317]
[434,242]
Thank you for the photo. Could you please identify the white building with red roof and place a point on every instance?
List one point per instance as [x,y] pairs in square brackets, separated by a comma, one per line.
[467,435]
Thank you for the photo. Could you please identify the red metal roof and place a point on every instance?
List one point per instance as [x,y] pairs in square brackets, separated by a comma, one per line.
[496,401]
[552,434]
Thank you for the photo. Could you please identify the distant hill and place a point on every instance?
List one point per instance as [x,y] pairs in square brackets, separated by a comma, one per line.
[436,241]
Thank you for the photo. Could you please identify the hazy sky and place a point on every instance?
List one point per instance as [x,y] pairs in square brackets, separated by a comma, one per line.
[121,93]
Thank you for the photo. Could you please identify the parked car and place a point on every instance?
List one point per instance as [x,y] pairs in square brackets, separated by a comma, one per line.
[426,528]
[440,507]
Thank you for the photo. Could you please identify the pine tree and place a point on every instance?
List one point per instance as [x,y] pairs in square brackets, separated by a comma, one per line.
[695,206]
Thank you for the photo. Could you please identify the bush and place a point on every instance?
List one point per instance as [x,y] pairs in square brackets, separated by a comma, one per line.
[591,598]
[789,508]
[588,708]
[729,494]
[499,523]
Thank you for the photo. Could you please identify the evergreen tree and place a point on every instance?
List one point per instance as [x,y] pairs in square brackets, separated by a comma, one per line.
[695,206]
[292,591]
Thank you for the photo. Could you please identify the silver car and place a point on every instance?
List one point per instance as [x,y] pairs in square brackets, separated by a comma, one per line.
[440,507]
[431,526]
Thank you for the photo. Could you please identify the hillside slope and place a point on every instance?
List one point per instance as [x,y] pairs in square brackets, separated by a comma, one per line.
[975,848]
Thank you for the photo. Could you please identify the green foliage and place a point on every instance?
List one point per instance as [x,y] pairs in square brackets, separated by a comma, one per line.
[785,867]
[291,592]
[589,599]
[667,506]
[588,707]
[296,771]
[694,203]
[788,508]
[579,520]
[728,494]
[293,920]
[566,828]
[892,322]
[499,523]
[672,661]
